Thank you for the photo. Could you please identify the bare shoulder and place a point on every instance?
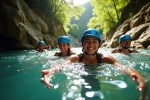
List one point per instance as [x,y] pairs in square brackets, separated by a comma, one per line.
[115,50]
[134,51]
[108,59]
[107,56]
[73,58]
[45,50]
[56,54]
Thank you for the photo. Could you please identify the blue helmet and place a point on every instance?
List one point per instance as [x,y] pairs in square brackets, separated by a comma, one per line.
[41,42]
[124,37]
[91,32]
[64,39]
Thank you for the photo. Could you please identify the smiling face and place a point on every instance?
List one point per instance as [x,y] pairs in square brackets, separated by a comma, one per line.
[90,44]
[63,47]
[125,44]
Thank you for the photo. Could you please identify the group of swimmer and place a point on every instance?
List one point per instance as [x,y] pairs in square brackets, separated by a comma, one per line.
[91,41]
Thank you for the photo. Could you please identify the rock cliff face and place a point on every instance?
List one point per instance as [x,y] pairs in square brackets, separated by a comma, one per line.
[74,42]
[22,27]
[138,27]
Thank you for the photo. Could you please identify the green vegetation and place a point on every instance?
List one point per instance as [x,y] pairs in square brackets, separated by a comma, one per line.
[75,19]
[82,22]
[106,13]
[61,10]
[74,30]
[64,11]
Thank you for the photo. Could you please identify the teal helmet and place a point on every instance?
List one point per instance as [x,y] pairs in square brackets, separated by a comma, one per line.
[41,42]
[124,37]
[64,39]
[91,32]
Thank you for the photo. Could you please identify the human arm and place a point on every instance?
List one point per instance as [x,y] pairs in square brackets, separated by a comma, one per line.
[135,51]
[136,76]
[142,85]
[48,73]
[114,51]
[56,54]
[49,46]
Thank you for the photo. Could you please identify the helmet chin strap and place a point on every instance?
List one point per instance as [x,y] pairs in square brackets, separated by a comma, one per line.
[87,53]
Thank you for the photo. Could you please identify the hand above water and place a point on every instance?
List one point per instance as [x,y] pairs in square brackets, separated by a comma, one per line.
[142,86]
[45,79]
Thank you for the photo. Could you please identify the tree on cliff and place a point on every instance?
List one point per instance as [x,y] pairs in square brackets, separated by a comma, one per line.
[64,11]
[81,24]
[61,10]
[106,13]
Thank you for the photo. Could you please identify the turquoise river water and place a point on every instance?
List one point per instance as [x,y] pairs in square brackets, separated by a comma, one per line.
[20,73]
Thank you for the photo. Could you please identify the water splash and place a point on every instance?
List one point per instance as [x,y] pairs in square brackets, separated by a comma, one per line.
[95,94]
[119,83]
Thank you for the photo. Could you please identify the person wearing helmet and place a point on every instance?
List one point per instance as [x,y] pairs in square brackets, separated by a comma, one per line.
[91,40]
[124,45]
[41,46]
[64,46]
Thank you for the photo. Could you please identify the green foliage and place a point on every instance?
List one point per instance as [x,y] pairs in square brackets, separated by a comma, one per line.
[131,15]
[74,30]
[64,11]
[83,19]
[106,13]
